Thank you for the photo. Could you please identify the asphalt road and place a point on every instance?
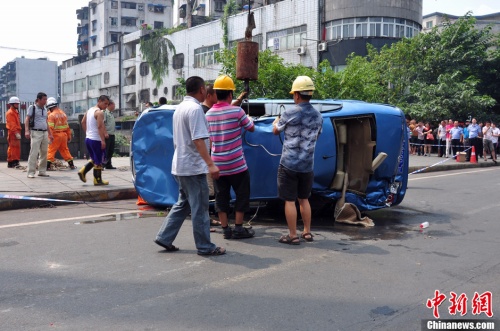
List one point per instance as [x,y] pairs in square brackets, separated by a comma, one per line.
[95,267]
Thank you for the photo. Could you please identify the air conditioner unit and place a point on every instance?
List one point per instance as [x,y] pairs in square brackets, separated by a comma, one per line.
[322,47]
[301,50]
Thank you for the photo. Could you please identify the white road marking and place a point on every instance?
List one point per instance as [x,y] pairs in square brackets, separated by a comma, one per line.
[65,219]
[453,174]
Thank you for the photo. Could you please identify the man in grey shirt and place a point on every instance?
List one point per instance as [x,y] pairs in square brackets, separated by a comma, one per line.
[39,135]
[190,164]
[109,123]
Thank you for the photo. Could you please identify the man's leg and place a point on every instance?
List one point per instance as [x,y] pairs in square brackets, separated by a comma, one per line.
[291,218]
[44,146]
[241,186]
[305,213]
[173,222]
[196,189]
[36,140]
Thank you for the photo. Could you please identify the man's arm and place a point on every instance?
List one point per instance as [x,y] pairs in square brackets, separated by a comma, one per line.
[201,147]
[99,116]
[84,122]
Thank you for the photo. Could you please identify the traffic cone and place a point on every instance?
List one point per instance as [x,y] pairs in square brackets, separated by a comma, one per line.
[473,158]
[140,201]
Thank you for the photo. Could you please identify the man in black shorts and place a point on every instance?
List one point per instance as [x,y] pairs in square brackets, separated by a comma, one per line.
[301,126]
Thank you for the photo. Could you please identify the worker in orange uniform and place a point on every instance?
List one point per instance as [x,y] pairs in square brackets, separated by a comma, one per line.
[58,126]
[14,133]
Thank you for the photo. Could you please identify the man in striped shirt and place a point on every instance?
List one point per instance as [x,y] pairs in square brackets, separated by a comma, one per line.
[224,125]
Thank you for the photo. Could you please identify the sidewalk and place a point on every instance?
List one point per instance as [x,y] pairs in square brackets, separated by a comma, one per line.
[65,184]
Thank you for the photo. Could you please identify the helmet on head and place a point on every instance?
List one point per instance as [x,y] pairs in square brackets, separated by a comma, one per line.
[14,100]
[51,102]
[224,82]
[303,85]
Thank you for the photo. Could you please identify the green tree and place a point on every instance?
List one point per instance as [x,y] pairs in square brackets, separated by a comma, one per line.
[155,48]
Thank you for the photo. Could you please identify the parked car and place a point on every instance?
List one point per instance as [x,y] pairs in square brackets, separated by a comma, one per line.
[366,141]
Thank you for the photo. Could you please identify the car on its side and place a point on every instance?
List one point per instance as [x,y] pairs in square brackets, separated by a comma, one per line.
[368,142]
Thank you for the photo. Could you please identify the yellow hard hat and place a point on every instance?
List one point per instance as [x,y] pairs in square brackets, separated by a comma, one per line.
[224,82]
[303,85]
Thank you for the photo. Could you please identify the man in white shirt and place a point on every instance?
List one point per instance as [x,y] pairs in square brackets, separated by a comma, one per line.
[488,142]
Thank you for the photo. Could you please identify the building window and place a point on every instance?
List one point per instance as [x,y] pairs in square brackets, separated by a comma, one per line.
[129,5]
[144,95]
[155,91]
[93,9]
[140,7]
[94,25]
[287,39]
[128,21]
[256,38]
[178,61]
[158,25]
[156,8]
[165,90]
[106,77]
[113,21]
[363,27]
[144,69]
[219,5]
[205,56]
[114,4]
[428,25]
[175,92]
[95,82]
[81,106]
[67,88]
[80,85]
[94,41]
[114,37]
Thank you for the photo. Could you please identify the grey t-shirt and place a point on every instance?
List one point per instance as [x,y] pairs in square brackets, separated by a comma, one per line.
[40,117]
[189,123]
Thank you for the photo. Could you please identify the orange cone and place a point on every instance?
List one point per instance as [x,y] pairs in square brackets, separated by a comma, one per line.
[140,201]
[473,158]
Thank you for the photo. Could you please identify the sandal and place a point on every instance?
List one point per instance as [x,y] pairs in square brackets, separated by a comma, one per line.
[289,240]
[214,223]
[307,236]
[215,252]
[170,248]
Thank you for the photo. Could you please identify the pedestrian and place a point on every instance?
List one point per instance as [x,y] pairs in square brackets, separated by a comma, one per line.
[301,126]
[474,139]
[494,137]
[190,164]
[419,129]
[488,142]
[449,126]
[457,137]
[441,138]
[428,139]
[59,128]
[35,128]
[414,137]
[466,142]
[480,135]
[224,125]
[13,125]
[109,124]
[95,140]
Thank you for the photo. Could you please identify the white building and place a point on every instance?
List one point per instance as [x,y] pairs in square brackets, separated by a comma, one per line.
[430,21]
[299,31]
[24,78]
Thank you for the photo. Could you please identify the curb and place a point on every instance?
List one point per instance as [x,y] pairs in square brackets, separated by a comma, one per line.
[454,166]
[87,196]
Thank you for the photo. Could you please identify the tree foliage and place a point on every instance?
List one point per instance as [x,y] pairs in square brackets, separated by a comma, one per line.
[155,49]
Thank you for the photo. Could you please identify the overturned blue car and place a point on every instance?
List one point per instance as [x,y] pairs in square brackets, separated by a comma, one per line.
[361,155]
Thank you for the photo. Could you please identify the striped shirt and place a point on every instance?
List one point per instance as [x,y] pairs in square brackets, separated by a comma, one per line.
[224,126]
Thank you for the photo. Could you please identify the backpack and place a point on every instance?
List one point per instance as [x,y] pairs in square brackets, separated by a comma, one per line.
[32,118]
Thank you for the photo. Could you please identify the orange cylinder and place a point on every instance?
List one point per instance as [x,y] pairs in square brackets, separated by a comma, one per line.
[247,61]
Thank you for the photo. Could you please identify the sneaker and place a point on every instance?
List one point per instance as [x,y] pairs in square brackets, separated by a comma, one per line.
[243,233]
[43,174]
[31,175]
[227,232]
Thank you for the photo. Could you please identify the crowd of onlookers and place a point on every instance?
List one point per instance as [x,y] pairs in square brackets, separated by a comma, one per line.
[451,137]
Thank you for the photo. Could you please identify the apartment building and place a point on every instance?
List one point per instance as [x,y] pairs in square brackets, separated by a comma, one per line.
[24,78]
[438,19]
[299,31]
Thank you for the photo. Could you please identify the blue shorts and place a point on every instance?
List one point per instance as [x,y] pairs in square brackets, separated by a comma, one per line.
[95,151]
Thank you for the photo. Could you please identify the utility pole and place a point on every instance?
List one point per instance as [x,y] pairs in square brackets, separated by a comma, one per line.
[120,69]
